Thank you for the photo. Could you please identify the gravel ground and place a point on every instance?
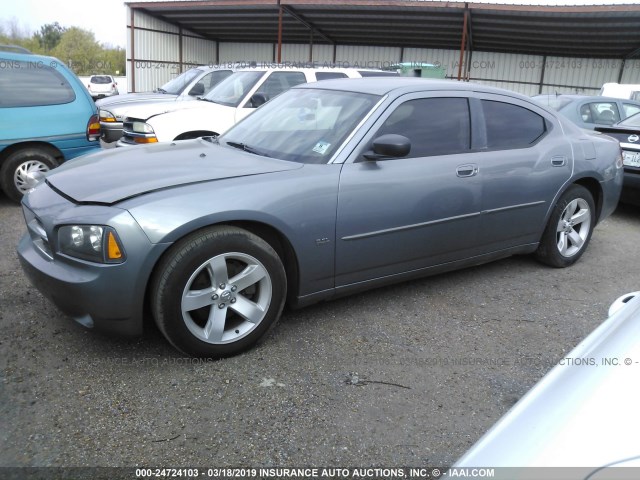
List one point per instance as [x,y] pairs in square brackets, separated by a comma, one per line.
[409,375]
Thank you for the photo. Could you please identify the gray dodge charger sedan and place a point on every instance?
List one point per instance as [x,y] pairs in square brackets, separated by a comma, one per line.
[328,189]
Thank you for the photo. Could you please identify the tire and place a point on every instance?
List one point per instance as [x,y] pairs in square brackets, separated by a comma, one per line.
[569,229]
[18,169]
[217,292]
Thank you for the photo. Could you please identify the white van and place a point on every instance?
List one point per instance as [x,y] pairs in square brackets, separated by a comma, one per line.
[627,91]
[229,102]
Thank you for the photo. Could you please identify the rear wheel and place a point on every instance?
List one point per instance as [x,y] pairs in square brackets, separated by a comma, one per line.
[22,170]
[569,229]
[218,291]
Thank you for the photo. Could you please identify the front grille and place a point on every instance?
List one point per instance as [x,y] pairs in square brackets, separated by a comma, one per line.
[128,135]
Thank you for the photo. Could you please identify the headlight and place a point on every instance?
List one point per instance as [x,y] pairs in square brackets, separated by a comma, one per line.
[95,243]
[106,116]
[141,127]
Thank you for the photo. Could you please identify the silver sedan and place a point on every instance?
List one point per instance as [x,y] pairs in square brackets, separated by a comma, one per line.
[329,189]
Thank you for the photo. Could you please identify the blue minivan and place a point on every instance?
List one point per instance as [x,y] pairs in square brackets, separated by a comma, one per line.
[46,117]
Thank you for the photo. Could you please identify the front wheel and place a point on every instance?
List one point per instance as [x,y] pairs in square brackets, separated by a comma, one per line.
[569,229]
[22,170]
[218,291]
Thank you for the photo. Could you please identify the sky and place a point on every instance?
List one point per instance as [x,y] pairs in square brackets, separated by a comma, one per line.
[107,18]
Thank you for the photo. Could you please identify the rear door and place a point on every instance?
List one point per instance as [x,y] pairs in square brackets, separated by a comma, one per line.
[525,161]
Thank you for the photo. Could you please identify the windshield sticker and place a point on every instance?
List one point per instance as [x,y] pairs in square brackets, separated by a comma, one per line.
[321,147]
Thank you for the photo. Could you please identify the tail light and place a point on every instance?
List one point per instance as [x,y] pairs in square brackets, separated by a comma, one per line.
[93,128]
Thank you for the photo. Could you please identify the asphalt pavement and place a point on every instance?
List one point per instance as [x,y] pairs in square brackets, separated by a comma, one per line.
[407,375]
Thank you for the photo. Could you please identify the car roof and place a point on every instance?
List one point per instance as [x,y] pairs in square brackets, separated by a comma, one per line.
[401,85]
[29,57]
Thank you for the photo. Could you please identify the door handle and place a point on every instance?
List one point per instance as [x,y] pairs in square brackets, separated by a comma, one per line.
[468,170]
[558,161]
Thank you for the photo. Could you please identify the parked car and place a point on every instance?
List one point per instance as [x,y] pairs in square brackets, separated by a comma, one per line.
[46,117]
[590,111]
[189,85]
[627,132]
[330,188]
[101,86]
[582,414]
[230,101]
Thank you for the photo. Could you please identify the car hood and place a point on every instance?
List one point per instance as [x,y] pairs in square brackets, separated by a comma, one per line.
[132,98]
[114,175]
[146,110]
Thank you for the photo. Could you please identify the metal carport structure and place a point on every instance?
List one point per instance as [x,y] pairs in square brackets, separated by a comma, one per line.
[610,32]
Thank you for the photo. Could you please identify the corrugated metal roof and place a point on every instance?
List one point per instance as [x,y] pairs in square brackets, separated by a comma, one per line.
[588,31]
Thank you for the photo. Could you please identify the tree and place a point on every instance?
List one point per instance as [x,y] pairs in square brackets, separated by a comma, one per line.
[79,49]
[49,36]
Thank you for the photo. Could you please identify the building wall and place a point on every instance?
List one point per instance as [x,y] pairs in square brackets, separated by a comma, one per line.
[157,60]
[162,51]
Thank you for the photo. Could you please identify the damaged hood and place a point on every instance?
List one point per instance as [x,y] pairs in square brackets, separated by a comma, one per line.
[114,175]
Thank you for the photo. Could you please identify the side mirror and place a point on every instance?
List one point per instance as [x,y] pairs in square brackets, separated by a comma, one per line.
[258,99]
[389,146]
[197,90]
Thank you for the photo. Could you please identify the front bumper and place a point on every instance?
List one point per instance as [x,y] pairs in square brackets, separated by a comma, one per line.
[105,297]
[111,131]
[631,186]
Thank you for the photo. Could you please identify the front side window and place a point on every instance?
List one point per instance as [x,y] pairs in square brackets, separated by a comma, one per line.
[511,126]
[30,84]
[212,79]
[232,90]
[301,125]
[278,82]
[178,84]
[435,126]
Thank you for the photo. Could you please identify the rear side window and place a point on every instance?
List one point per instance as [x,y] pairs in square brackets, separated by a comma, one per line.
[329,75]
[511,126]
[435,126]
[30,84]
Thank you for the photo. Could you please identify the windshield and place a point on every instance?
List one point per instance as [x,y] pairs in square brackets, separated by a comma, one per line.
[301,125]
[101,79]
[632,121]
[232,90]
[178,84]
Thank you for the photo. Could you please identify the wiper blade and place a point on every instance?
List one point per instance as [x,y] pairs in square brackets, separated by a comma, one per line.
[161,90]
[247,148]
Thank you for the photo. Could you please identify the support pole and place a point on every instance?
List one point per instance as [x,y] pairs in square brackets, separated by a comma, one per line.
[279,33]
[133,56]
[463,43]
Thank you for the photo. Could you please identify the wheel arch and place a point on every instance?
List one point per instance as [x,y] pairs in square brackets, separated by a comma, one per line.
[595,189]
[48,147]
[274,237]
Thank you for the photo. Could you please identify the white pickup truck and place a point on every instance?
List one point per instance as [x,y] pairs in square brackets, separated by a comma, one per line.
[227,103]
